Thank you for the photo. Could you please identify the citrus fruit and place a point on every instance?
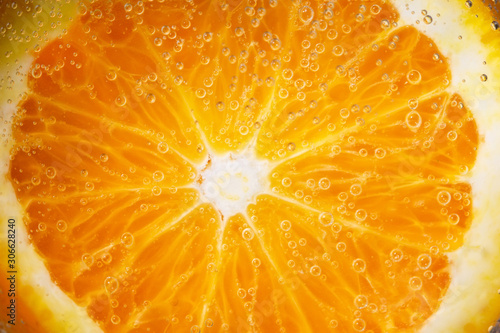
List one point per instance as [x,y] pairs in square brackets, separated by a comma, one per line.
[250,166]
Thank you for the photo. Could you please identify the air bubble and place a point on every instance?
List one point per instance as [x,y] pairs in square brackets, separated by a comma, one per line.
[89,186]
[396,255]
[452,135]
[359,265]
[424,261]
[428,19]
[127,239]
[326,219]
[61,225]
[484,77]
[415,283]
[156,190]
[443,197]
[88,259]
[380,153]
[241,293]
[256,262]
[414,76]
[359,325]
[324,183]
[247,234]
[120,100]
[453,219]
[51,172]
[361,301]
[111,284]
[360,215]
[285,225]
[103,158]
[286,182]
[315,270]
[355,189]
[115,319]
[413,119]
[162,147]
[306,14]
[111,75]
[158,176]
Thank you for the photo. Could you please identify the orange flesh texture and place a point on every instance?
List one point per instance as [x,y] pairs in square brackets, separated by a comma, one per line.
[122,109]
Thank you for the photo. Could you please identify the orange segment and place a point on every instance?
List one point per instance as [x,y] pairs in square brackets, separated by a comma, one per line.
[367,153]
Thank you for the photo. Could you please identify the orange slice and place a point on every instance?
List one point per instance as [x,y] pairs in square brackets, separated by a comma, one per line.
[254,166]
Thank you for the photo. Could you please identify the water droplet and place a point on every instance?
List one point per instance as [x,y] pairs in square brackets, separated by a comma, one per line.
[151,98]
[111,284]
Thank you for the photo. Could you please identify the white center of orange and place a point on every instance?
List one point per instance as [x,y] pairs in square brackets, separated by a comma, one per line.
[232,181]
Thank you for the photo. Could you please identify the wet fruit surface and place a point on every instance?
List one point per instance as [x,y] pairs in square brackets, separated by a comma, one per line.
[245,166]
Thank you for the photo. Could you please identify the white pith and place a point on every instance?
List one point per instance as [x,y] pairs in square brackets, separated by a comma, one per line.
[475,277]
[232,181]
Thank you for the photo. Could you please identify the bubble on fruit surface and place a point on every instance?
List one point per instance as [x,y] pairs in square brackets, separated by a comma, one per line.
[88,259]
[452,135]
[256,262]
[427,19]
[326,219]
[115,319]
[453,219]
[360,215]
[359,265]
[120,100]
[247,234]
[424,261]
[484,78]
[286,182]
[315,270]
[162,147]
[151,98]
[158,176]
[51,172]
[89,186]
[356,189]
[396,255]
[285,225]
[156,190]
[306,14]
[415,283]
[324,183]
[103,157]
[414,76]
[111,284]
[413,119]
[380,153]
[241,293]
[443,198]
[61,225]
[359,325]
[127,239]
[361,301]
